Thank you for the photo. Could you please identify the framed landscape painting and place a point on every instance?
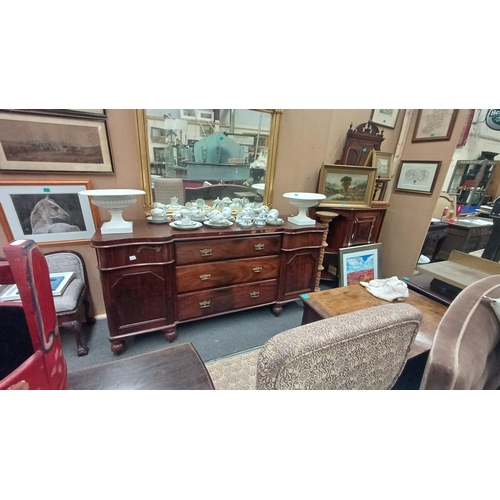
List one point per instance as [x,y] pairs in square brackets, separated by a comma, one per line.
[49,213]
[382,162]
[41,142]
[360,263]
[347,186]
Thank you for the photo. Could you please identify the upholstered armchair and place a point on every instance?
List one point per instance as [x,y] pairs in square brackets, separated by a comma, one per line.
[361,350]
[167,188]
[466,349]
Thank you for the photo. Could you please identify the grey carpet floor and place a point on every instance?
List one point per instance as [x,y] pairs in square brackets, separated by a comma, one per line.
[213,338]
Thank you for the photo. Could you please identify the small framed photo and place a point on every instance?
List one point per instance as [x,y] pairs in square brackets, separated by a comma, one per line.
[434,125]
[189,114]
[417,176]
[385,117]
[347,186]
[359,263]
[205,114]
[43,142]
[48,212]
[382,162]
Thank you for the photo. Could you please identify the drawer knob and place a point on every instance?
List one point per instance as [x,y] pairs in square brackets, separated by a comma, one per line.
[259,246]
[254,295]
[257,269]
[204,304]
[206,252]
[204,277]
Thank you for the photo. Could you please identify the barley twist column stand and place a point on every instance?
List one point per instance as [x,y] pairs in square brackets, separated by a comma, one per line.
[325,218]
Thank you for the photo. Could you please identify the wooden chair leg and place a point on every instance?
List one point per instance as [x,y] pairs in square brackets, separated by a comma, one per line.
[75,327]
[90,319]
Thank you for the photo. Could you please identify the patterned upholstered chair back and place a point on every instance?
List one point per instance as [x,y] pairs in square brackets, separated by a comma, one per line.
[361,350]
[166,189]
[466,349]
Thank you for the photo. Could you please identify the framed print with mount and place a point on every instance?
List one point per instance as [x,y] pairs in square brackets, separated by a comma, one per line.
[382,162]
[359,263]
[48,212]
[346,186]
[434,125]
[385,117]
[417,176]
[36,141]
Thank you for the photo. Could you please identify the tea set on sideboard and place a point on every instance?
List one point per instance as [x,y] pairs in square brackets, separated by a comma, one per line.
[223,213]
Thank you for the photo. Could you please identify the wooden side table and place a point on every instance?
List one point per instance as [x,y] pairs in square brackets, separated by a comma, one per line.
[346,299]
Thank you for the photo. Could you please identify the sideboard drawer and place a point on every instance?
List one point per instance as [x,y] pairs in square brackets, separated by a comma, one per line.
[230,298]
[214,274]
[130,255]
[232,248]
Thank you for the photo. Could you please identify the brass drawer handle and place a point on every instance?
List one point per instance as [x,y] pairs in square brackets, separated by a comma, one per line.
[204,277]
[206,252]
[254,295]
[257,269]
[204,304]
[259,246]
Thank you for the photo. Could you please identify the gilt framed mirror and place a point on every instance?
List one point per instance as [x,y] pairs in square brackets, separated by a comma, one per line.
[213,147]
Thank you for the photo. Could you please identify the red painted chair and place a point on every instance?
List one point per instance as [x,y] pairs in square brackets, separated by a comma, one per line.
[30,347]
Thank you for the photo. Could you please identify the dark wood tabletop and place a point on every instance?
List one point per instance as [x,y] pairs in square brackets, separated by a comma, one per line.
[175,368]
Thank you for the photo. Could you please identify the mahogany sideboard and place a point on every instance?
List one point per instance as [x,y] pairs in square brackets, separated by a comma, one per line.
[157,276]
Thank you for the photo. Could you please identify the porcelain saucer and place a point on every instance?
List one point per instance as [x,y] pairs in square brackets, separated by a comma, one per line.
[217,224]
[193,225]
[276,222]
[158,221]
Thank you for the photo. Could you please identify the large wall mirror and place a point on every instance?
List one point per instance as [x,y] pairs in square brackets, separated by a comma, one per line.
[197,149]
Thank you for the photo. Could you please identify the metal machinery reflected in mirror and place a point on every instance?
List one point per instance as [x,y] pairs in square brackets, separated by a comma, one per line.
[196,148]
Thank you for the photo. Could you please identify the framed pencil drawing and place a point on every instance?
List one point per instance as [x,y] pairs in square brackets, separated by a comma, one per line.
[48,212]
[434,125]
[44,142]
[347,186]
[417,176]
[359,263]
[385,117]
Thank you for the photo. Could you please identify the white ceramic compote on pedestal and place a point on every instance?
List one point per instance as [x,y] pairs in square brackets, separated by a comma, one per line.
[115,200]
[303,201]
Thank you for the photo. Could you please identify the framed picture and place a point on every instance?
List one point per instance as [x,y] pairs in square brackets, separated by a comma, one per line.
[49,213]
[205,114]
[347,186]
[385,117]
[417,176]
[188,114]
[434,124]
[360,263]
[54,143]
[382,162]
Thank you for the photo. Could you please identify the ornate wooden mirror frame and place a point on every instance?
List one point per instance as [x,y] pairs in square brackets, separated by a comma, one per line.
[142,131]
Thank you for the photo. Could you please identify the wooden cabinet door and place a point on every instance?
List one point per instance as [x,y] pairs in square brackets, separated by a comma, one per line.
[138,299]
[298,273]
[363,229]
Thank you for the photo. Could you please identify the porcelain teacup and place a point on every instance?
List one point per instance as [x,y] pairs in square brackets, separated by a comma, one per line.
[226,212]
[158,214]
[260,221]
[273,215]
[215,216]
[174,202]
[185,219]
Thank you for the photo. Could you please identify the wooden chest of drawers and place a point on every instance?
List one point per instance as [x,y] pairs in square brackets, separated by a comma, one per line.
[158,277]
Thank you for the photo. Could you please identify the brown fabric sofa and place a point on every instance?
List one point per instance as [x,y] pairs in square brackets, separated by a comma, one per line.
[466,349]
